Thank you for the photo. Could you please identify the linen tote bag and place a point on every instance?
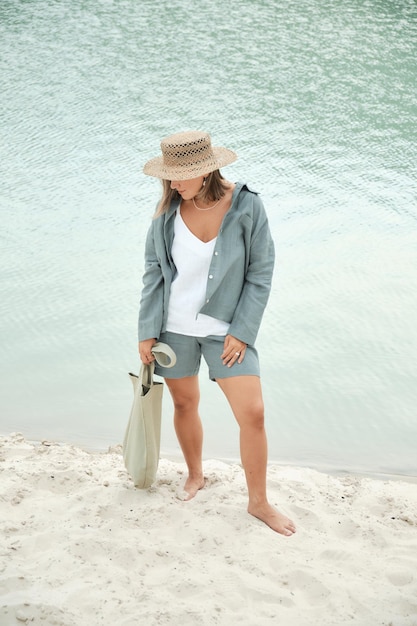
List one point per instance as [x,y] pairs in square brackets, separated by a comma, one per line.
[141,444]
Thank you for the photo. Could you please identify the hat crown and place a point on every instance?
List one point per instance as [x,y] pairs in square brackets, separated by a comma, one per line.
[187,149]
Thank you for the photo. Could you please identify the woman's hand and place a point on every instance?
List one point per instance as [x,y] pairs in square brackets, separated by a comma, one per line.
[233,350]
[145,353]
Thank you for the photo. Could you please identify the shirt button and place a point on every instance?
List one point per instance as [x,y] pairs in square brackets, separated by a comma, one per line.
[216,253]
[207,301]
[211,276]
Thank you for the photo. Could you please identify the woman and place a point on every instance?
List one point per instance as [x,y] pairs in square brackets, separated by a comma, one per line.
[209,259]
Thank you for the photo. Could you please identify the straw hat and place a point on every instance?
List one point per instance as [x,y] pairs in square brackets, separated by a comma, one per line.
[188,155]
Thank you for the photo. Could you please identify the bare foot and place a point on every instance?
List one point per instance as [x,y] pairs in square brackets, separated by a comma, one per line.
[273,518]
[192,486]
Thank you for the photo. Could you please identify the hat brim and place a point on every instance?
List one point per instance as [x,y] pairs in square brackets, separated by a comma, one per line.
[221,157]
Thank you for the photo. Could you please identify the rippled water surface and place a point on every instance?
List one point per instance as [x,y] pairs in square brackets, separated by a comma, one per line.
[319,101]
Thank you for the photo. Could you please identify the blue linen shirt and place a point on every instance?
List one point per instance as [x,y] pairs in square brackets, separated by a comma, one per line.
[240,274]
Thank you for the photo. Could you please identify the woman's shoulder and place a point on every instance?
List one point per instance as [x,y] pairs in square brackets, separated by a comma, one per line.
[244,188]
[159,219]
[248,198]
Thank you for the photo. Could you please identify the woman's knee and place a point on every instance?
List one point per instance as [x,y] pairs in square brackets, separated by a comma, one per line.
[185,404]
[245,398]
[251,416]
[255,416]
[185,394]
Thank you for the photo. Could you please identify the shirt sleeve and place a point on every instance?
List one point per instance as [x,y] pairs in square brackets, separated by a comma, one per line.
[152,297]
[257,285]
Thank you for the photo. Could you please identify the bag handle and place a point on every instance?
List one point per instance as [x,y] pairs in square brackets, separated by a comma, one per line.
[164,355]
[146,375]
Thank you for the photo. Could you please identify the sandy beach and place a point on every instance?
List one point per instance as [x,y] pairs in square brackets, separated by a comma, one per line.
[80,546]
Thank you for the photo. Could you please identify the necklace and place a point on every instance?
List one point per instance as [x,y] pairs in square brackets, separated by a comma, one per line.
[208,208]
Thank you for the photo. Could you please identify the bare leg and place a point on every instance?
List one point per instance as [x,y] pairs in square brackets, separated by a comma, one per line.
[185,394]
[245,397]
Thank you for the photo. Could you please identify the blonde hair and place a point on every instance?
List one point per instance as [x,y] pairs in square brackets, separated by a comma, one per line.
[214,189]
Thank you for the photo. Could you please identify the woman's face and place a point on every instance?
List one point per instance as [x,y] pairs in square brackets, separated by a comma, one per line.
[188,188]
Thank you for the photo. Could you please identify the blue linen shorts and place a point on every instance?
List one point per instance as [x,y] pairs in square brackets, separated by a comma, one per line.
[189,350]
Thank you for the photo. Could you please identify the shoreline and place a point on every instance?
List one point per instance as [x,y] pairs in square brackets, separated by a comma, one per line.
[83,546]
[177,458]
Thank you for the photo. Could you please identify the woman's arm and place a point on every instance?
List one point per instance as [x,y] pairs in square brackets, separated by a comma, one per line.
[152,297]
[145,348]
[258,278]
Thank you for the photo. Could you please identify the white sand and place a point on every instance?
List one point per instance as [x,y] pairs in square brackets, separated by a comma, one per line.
[80,546]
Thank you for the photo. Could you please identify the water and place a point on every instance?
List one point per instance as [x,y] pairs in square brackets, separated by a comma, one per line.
[319,101]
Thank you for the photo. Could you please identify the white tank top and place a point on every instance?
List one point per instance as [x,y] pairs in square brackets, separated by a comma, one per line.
[192,258]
